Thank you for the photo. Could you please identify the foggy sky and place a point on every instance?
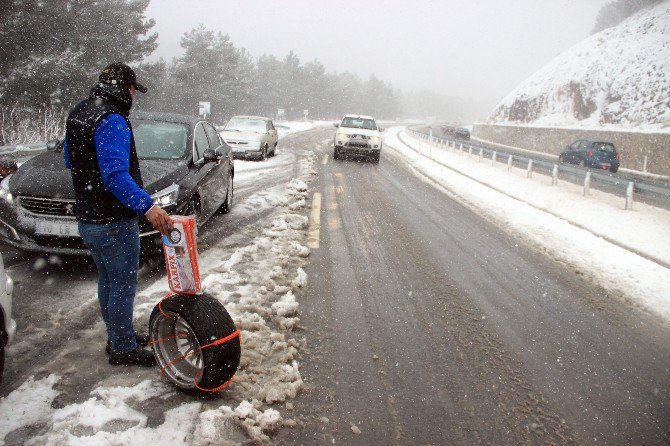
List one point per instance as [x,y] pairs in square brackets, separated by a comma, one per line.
[476,50]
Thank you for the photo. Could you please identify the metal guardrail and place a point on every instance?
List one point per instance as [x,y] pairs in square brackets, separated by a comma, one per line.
[656,194]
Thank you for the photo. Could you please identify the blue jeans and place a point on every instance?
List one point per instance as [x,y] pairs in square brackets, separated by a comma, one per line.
[116,252]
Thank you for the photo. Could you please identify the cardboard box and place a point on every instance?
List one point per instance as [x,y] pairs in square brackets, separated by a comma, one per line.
[181,255]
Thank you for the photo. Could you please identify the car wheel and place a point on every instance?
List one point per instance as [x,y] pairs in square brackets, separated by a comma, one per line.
[336,154]
[227,205]
[375,157]
[584,163]
[614,169]
[274,149]
[264,153]
[184,331]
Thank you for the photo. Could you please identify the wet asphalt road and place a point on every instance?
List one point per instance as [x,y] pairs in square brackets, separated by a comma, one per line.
[426,324]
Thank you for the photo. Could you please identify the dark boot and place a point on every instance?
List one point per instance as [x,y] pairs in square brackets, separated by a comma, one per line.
[139,356]
[141,339]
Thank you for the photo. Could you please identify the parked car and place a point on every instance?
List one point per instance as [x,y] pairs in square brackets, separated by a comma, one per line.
[589,153]
[185,165]
[358,135]
[252,137]
[8,327]
[462,133]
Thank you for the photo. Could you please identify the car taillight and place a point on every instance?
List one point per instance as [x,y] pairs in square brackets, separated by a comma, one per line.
[590,153]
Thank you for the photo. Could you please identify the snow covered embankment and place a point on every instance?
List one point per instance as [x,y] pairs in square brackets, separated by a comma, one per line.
[568,226]
[618,78]
[255,281]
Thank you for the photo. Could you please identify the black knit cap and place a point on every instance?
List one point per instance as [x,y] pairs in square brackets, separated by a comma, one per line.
[119,73]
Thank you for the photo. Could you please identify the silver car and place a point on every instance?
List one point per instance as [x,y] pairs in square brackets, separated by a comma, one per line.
[8,327]
[252,137]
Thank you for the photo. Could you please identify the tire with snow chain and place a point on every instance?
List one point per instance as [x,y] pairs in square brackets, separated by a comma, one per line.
[179,326]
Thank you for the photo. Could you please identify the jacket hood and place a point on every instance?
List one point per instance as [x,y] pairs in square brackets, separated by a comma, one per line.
[46,176]
[118,95]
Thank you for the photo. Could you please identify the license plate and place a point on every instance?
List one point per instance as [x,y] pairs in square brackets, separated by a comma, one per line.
[59,228]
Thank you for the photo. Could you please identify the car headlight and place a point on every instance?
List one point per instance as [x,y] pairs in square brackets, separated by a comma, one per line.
[167,196]
[342,136]
[253,144]
[4,189]
[375,139]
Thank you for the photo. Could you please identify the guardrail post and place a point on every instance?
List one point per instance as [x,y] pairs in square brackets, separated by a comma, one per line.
[493,158]
[470,150]
[554,175]
[460,147]
[481,154]
[529,170]
[644,166]
[587,183]
[510,159]
[629,195]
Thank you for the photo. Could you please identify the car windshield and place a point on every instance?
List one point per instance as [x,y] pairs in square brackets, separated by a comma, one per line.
[160,140]
[245,125]
[359,123]
[604,147]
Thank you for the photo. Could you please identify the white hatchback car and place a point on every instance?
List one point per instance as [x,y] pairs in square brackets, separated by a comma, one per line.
[251,137]
[8,327]
[358,135]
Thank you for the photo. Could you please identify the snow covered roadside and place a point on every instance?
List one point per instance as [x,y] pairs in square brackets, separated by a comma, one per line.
[590,233]
[254,273]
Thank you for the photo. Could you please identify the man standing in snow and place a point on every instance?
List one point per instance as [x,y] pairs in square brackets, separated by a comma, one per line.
[99,149]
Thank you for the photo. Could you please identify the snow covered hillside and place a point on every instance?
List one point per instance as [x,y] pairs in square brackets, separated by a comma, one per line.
[618,78]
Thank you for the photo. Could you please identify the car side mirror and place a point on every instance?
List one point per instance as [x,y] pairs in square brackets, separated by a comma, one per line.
[54,145]
[381,129]
[336,124]
[211,155]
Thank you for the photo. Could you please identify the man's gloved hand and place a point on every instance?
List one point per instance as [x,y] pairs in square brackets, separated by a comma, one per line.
[159,218]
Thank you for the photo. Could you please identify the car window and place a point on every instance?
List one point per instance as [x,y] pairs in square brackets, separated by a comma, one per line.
[159,140]
[213,136]
[575,145]
[584,145]
[201,142]
[604,147]
[271,125]
[359,123]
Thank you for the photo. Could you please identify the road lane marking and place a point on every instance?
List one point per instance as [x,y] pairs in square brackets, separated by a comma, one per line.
[314,230]
[324,161]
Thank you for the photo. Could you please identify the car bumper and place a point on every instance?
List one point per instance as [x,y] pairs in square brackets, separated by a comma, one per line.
[356,150]
[6,303]
[18,229]
[247,153]
[604,165]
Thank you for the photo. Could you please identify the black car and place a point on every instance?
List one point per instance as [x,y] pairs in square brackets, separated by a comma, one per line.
[186,167]
[589,153]
[462,133]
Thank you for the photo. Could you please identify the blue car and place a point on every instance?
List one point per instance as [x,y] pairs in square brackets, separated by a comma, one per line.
[594,154]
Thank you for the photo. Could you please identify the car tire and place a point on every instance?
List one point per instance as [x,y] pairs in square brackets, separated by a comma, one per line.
[584,163]
[201,319]
[264,153]
[274,149]
[376,157]
[227,205]
[614,169]
[336,154]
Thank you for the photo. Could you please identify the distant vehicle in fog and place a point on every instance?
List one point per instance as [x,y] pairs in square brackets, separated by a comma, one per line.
[251,137]
[462,133]
[588,153]
[358,135]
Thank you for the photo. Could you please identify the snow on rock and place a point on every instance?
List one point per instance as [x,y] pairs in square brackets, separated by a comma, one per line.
[301,279]
[617,78]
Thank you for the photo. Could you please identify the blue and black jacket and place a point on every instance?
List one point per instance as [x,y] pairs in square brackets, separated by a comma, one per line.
[99,149]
